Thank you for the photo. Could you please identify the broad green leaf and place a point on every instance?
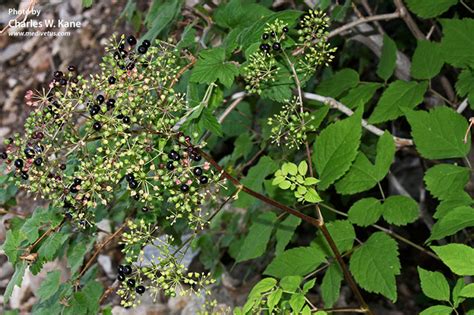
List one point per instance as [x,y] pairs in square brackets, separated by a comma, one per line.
[212,66]
[364,175]
[207,121]
[427,60]
[160,17]
[291,283]
[339,82]
[12,245]
[15,280]
[331,285]
[439,133]
[450,255]
[284,232]
[242,146]
[302,168]
[50,285]
[336,148]
[468,291]
[429,8]
[457,43]
[297,261]
[365,211]
[388,58]
[465,85]
[453,222]
[239,13]
[464,199]
[398,97]
[342,233]
[457,298]
[51,245]
[434,285]
[360,95]
[87,3]
[297,302]
[280,90]
[400,210]
[289,168]
[437,310]
[375,265]
[312,196]
[445,181]
[262,286]
[309,285]
[274,298]
[255,242]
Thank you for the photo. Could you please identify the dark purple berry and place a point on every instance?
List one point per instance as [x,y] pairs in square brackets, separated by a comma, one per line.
[38,161]
[197,157]
[29,152]
[77,181]
[203,180]
[265,36]
[276,46]
[63,81]
[71,68]
[24,175]
[130,66]
[110,104]
[3,155]
[121,277]
[126,120]
[173,155]
[131,40]
[145,209]
[127,269]
[273,34]
[97,126]
[142,49]
[112,80]
[129,177]
[62,167]
[131,283]
[120,268]
[169,165]
[39,147]
[18,163]
[57,74]
[146,43]
[184,188]
[140,289]
[73,189]
[285,29]
[197,171]
[133,184]
[100,98]
[94,110]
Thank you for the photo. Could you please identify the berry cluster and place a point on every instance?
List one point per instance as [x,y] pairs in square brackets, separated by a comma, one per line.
[274,34]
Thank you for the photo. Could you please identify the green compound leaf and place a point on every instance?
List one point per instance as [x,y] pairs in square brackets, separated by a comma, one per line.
[284,233]
[427,60]
[434,285]
[360,95]
[450,255]
[239,13]
[400,210]
[388,58]
[468,291]
[255,243]
[375,265]
[343,234]
[446,181]
[11,247]
[212,66]
[15,280]
[429,8]
[297,261]
[365,212]
[364,175]
[453,222]
[458,42]
[465,85]
[336,148]
[50,285]
[437,310]
[397,98]
[439,133]
[341,81]
[331,285]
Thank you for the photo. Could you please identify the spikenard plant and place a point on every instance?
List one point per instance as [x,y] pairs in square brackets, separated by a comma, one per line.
[132,147]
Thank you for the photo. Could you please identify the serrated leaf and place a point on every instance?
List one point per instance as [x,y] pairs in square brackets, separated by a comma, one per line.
[450,255]
[445,181]
[453,222]
[297,302]
[239,13]
[388,58]
[262,286]
[427,60]
[242,146]
[297,261]
[434,285]
[360,95]
[12,244]
[284,233]
[365,212]
[255,243]
[457,43]
[447,205]
[468,291]
[439,133]
[400,210]
[339,82]
[15,280]
[465,85]
[331,285]
[342,233]
[364,175]
[51,245]
[273,299]
[50,285]
[397,98]
[375,265]
[437,310]
[336,148]
[429,8]
[312,196]
[160,16]
[290,283]
[212,66]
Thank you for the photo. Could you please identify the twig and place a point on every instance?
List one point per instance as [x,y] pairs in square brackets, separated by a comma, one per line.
[367,8]
[45,234]
[405,15]
[400,142]
[342,310]
[30,7]
[462,106]
[107,292]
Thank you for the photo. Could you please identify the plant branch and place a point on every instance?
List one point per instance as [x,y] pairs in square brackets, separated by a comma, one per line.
[406,16]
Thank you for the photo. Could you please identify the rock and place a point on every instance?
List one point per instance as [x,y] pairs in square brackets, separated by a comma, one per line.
[40,61]
[12,51]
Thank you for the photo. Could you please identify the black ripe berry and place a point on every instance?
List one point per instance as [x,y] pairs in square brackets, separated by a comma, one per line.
[197,158]
[57,74]
[24,175]
[136,196]
[131,40]
[131,283]
[145,209]
[77,181]
[273,34]
[73,189]
[142,49]
[203,180]
[285,29]
[18,163]
[169,165]
[133,184]
[121,277]
[110,104]
[112,80]
[265,36]
[184,188]
[62,166]
[3,155]
[146,43]
[130,66]
[173,155]
[100,98]
[127,269]
[126,120]
[29,152]
[276,46]
[129,177]
[94,110]
[140,289]
[38,161]
[63,81]
[120,268]
[97,126]
[71,68]
[197,171]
